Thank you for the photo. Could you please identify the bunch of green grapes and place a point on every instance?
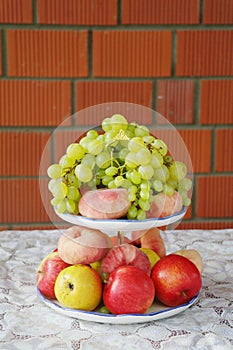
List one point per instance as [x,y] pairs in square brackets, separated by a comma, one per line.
[124,155]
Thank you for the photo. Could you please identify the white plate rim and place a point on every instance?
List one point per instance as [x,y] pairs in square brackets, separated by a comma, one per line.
[114,225]
[94,316]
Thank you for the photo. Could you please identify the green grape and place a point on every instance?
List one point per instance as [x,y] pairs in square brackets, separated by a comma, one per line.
[185,183]
[111,184]
[54,171]
[66,162]
[132,212]
[158,185]
[92,134]
[84,142]
[135,177]
[110,136]
[131,161]
[168,189]
[111,171]
[73,180]
[161,174]
[168,159]
[61,206]
[123,153]
[144,194]
[70,205]
[143,156]
[178,170]
[51,183]
[89,160]
[103,160]
[133,189]
[173,182]
[144,204]
[156,160]
[54,201]
[148,139]
[118,181]
[118,122]
[185,199]
[73,193]
[59,190]
[101,138]
[145,185]
[135,144]
[126,183]
[141,215]
[106,124]
[75,151]
[160,146]
[106,179]
[146,171]
[141,131]
[132,197]
[95,147]
[83,173]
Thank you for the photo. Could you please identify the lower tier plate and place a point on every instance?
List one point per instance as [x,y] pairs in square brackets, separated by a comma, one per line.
[156,312]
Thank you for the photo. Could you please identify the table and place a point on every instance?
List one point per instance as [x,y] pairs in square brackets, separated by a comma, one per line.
[27,323]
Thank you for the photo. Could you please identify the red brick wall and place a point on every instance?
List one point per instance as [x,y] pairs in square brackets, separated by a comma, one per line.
[58,57]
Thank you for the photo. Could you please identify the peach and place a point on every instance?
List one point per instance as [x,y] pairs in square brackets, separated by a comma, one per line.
[80,245]
[150,239]
[104,203]
[164,205]
[192,255]
[125,254]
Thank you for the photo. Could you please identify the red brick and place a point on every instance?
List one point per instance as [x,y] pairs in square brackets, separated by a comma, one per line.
[218,12]
[21,152]
[204,53]
[34,103]
[198,143]
[90,93]
[16,11]
[223,150]
[82,12]
[131,53]
[185,143]
[47,53]
[215,105]
[175,100]
[22,201]
[215,197]
[160,12]
[0,52]
[205,225]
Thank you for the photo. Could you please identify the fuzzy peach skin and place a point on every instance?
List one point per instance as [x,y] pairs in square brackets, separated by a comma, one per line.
[192,255]
[150,239]
[104,203]
[164,205]
[80,245]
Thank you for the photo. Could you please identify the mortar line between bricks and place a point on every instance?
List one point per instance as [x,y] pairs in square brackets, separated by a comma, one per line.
[201,13]
[173,54]
[196,102]
[104,78]
[34,12]
[4,53]
[121,27]
[119,12]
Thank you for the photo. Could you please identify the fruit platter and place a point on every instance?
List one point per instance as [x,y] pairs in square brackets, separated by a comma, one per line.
[118,186]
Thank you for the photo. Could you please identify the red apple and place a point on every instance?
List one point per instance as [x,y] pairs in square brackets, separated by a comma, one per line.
[128,290]
[104,203]
[164,205]
[125,254]
[47,273]
[176,279]
[80,245]
[150,239]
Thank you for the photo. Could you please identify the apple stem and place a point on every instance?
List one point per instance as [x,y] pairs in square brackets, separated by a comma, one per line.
[120,236]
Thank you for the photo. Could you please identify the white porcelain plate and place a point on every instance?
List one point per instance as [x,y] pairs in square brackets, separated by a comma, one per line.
[156,312]
[125,225]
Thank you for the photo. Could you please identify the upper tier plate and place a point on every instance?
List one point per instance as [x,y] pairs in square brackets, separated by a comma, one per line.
[113,226]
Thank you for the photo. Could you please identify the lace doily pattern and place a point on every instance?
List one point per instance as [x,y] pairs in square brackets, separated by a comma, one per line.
[27,323]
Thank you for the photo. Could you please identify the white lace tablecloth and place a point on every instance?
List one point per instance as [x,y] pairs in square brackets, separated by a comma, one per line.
[27,323]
